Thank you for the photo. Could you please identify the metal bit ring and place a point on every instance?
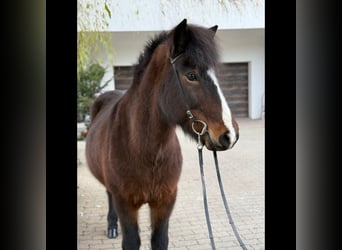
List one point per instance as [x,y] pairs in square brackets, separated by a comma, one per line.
[204,129]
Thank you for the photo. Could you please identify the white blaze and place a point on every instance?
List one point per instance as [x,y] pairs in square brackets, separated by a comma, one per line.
[226,113]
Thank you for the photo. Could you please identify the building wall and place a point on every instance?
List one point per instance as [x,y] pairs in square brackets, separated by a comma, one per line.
[235,46]
[155,15]
[240,34]
[247,46]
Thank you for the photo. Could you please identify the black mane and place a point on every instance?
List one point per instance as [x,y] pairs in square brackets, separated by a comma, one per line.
[146,55]
[201,50]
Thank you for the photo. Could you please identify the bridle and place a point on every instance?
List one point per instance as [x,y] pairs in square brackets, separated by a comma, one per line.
[200,157]
[187,107]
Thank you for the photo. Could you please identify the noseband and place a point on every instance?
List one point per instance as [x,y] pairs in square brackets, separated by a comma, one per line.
[200,157]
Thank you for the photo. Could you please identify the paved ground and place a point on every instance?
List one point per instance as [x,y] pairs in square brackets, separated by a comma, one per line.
[242,173]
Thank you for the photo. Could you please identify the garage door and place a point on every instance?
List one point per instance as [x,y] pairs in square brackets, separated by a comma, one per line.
[233,78]
[123,76]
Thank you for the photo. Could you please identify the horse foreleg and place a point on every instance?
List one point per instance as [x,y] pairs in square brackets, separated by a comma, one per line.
[128,215]
[112,219]
[160,214]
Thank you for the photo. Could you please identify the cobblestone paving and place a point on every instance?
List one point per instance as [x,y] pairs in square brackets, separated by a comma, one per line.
[242,174]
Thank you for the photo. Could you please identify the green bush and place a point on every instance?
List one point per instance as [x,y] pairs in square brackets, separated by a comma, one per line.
[88,84]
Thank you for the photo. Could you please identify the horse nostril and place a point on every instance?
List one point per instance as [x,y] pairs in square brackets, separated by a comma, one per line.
[224,140]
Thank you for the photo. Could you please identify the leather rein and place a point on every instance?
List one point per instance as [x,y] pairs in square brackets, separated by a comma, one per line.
[200,157]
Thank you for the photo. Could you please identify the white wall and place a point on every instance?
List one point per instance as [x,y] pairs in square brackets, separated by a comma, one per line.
[154,15]
[129,45]
[109,75]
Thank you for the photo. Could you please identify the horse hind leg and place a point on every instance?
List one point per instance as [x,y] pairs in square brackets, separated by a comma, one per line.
[112,219]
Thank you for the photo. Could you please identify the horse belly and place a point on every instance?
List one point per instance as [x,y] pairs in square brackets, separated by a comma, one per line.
[138,195]
[97,142]
[94,163]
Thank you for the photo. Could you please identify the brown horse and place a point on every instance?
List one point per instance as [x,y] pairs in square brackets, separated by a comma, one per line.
[132,147]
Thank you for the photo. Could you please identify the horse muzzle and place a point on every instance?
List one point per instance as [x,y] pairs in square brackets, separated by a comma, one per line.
[225,141]
[212,138]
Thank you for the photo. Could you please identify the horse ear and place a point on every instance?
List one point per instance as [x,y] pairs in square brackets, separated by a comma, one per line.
[214,29]
[180,38]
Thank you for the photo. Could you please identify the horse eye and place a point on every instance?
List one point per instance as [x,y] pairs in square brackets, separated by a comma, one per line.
[192,76]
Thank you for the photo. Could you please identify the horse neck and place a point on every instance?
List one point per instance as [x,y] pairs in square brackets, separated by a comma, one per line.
[146,120]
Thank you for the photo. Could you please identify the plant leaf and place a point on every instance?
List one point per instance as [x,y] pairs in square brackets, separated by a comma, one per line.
[108,10]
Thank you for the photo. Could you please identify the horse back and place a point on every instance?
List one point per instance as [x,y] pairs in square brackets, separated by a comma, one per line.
[103,100]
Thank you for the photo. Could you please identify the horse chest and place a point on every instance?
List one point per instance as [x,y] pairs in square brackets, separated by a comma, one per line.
[154,181]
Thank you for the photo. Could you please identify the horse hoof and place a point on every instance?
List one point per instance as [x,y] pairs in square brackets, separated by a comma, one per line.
[112,233]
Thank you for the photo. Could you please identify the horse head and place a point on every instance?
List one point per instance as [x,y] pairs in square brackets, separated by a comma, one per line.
[191,84]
